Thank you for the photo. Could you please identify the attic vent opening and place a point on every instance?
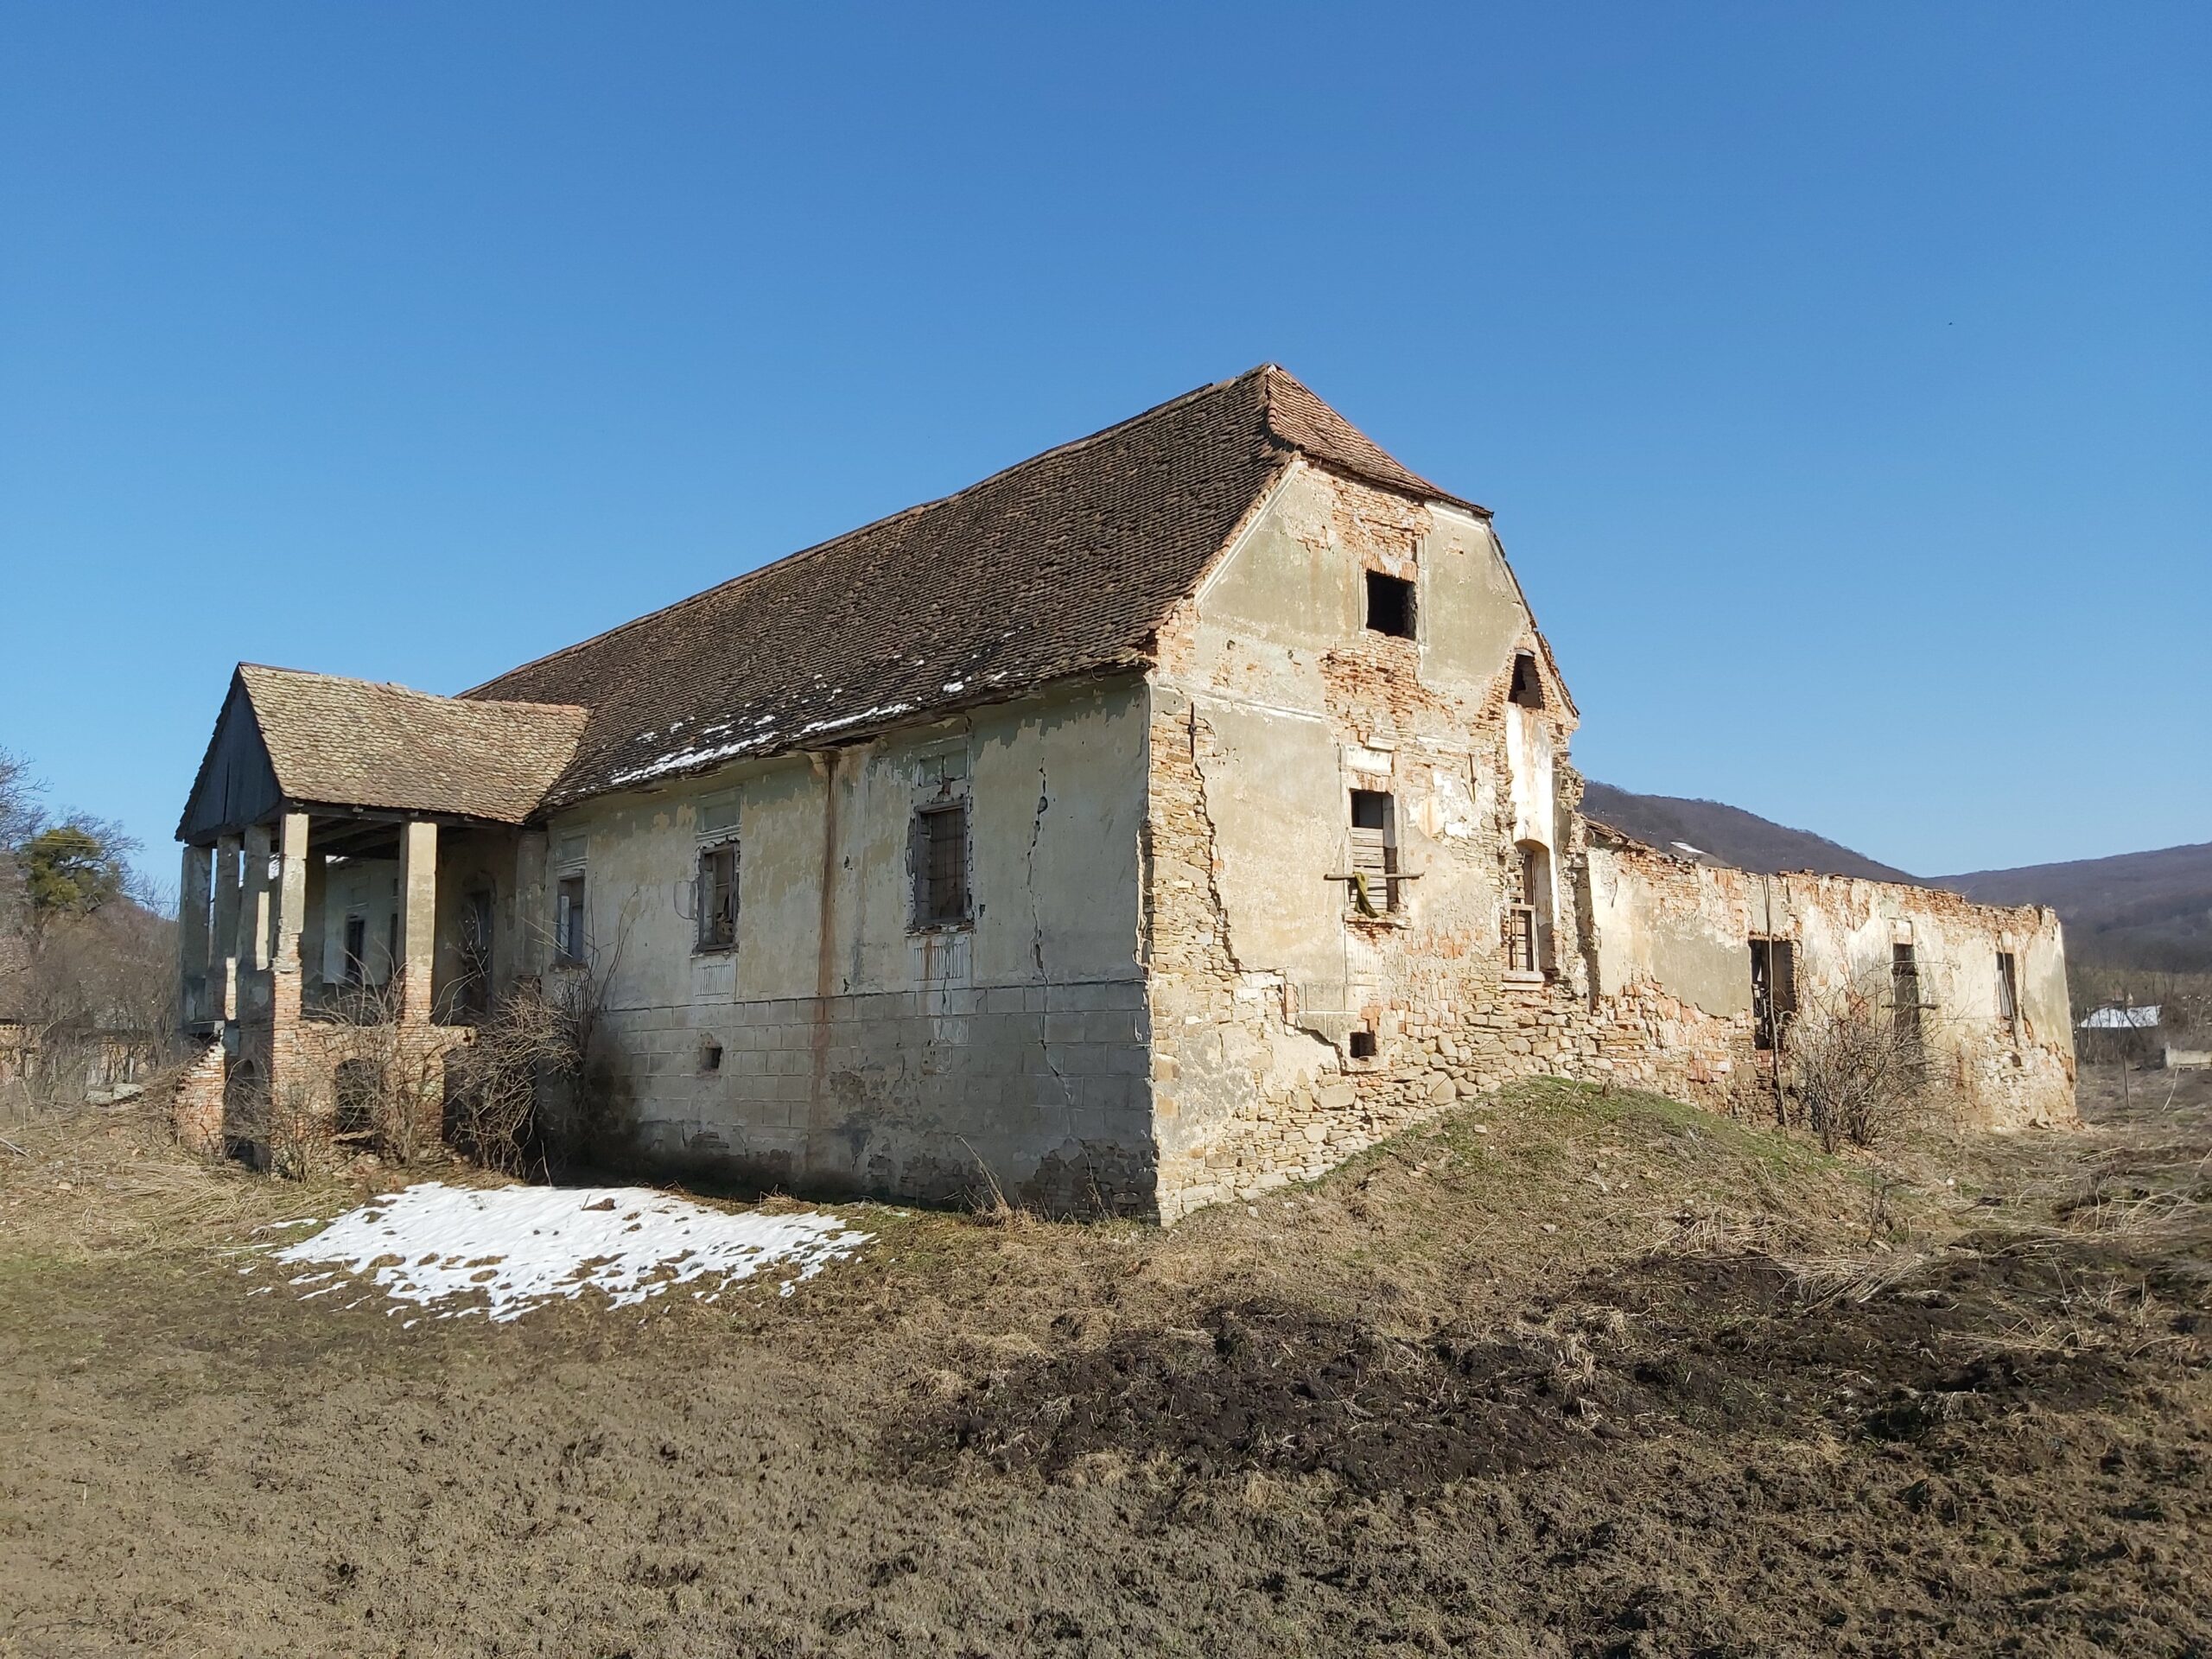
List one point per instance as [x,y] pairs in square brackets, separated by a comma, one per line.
[1390,605]
[1528,687]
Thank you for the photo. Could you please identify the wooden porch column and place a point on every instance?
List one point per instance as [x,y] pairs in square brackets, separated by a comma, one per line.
[418,912]
[225,968]
[195,888]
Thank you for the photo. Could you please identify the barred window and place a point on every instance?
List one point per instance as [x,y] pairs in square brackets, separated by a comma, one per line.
[569,919]
[718,896]
[939,854]
[1373,889]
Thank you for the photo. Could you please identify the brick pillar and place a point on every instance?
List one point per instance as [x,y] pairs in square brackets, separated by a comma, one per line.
[195,887]
[224,969]
[418,911]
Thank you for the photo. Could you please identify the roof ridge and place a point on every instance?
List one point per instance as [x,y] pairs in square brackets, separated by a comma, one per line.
[407,690]
[1072,445]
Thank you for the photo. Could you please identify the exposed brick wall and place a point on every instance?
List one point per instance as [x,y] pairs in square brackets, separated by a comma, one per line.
[197,1108]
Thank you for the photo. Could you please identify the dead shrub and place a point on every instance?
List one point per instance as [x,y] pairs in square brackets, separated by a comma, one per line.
[1854,1072]
[388,1082]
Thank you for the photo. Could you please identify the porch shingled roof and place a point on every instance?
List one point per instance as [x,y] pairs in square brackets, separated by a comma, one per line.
[335,742]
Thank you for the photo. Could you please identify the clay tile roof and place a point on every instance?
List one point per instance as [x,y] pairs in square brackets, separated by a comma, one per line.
[356,743]
[1064,565]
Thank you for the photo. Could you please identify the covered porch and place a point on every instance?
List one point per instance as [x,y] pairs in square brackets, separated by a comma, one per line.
[357,858]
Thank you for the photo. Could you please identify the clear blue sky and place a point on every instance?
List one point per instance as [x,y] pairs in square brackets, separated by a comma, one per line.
[1839,375]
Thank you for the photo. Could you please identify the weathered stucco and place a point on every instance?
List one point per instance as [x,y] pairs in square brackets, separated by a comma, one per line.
[857,1050]
[1673,953]
[1272,702]
[1186,973]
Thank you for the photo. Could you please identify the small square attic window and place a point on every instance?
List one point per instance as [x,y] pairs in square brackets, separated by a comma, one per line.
[1390,605]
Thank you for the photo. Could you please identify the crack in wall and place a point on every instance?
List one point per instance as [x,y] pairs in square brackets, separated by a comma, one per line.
[1213,846]
[1223,931]
[1037,935]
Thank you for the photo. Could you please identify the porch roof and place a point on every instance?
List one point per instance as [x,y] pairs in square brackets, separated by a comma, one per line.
[325,740]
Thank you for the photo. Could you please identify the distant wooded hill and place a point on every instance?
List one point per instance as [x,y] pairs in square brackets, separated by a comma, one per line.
[2135,910]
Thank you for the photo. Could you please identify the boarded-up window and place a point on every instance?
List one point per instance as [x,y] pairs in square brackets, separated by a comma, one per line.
[1390,605]
[2008,986]
[1373,887]
[940,862]
[717,896]
[1774,989]
[569,919]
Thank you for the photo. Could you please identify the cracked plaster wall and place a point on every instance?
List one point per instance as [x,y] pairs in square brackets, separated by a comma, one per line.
[858,1052]
[1271,703]
[1673,960]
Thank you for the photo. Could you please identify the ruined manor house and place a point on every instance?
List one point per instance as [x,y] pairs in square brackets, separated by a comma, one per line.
[1156,822]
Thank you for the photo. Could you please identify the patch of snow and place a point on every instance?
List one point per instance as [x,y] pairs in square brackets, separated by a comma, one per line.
[522,1246]
[880,711]
[683,759]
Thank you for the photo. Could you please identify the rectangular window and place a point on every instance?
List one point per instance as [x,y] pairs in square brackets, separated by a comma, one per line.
[1527,911]
[569,919]
[1774,989]
[717,897]
[1373,887]
[1390,605]
[2008,986]
[1521,938]
[1905,990]
[939,855]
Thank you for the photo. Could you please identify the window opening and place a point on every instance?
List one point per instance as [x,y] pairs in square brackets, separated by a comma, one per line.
[569,919]
[1905,986]
[1390,605]
[476,952]
[357,949]
[356,1085]
[1362,1045]
[1374,886]
[711,1056]
[1774,989]
[1527,911]
[1528,684]
[717,897]
[2008,986]
[940,865]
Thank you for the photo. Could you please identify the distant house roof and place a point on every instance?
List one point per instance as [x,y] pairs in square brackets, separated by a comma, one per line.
[322,740]
[1062,566]
[2143,1019]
